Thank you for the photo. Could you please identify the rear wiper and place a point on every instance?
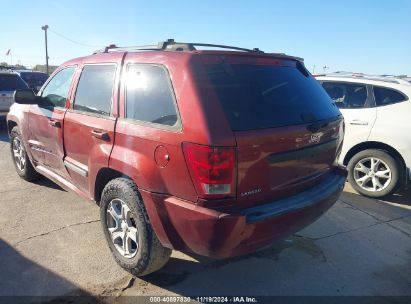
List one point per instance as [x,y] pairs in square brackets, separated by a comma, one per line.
[318,125]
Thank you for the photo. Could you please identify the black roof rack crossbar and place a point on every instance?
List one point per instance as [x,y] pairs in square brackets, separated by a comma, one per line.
[194,44]
[171,45]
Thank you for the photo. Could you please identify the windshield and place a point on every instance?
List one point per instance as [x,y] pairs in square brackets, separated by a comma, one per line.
[11,82]
[266,96]
[34,79]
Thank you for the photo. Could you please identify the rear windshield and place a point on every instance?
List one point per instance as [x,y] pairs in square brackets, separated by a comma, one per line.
[11,82]
[266,96]
[34,79]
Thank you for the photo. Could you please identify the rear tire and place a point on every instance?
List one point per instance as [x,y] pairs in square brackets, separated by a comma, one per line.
[127,229]
[20,158]
[374,173]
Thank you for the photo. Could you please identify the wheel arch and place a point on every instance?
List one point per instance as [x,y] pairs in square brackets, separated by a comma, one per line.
[375,145]
[103,177]
[10,125]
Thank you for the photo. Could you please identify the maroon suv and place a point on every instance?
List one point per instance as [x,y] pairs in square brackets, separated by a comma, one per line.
[215,152]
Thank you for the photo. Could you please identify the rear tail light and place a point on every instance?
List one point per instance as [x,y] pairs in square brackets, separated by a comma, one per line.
[211,169]
[340,142]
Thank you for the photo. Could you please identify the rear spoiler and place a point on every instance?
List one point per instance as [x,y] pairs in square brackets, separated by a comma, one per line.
[285,56]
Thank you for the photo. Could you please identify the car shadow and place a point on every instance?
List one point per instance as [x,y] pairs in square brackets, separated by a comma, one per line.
[45,182]
[402,197]
[22,280]
[175,276]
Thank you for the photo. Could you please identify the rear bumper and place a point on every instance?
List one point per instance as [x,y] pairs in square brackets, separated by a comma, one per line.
[183,225]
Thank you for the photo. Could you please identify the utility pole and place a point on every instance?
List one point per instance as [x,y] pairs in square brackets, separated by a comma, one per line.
[44,28]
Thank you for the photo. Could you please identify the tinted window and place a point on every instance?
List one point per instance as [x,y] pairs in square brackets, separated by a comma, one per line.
[56,91]
[11,82]
[386,96]
[347,95]
[266,96]
[149,96]
[95,89]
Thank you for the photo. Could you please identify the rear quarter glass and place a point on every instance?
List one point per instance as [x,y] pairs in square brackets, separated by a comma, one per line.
[261,93]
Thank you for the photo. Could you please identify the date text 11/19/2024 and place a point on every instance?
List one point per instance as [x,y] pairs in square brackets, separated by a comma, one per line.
[205,299]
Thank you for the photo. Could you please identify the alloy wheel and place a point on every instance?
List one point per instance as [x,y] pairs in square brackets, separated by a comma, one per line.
[19,154]
[122,228]
[372,174]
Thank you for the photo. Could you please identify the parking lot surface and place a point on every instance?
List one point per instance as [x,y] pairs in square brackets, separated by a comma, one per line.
[51,244]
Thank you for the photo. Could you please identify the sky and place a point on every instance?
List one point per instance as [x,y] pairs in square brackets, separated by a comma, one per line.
[368,36]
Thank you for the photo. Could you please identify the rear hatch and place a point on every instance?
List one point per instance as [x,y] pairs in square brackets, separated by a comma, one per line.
[286,127]
[8,84]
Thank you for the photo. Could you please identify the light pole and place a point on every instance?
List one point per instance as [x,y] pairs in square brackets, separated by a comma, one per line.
[44,28]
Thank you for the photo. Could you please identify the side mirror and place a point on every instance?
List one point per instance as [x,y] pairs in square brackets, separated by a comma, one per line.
[25,96]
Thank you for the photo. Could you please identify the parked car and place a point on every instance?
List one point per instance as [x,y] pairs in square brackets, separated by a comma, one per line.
[214,152]
[377,144]
[9,82]
[34,79]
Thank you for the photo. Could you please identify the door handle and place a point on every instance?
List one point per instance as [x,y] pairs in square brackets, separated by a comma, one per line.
[358,122]
[54,123]
[100,135]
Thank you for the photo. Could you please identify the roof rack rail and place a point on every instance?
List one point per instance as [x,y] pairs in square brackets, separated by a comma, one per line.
[171,45]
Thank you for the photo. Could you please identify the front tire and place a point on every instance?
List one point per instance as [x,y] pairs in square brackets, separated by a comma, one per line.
[127,229]
[20,158]
[374,173]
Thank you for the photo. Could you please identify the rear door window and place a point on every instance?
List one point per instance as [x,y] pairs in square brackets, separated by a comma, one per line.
[384,96]
[149,95]
[347,95]
[95,89]
[266,96]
